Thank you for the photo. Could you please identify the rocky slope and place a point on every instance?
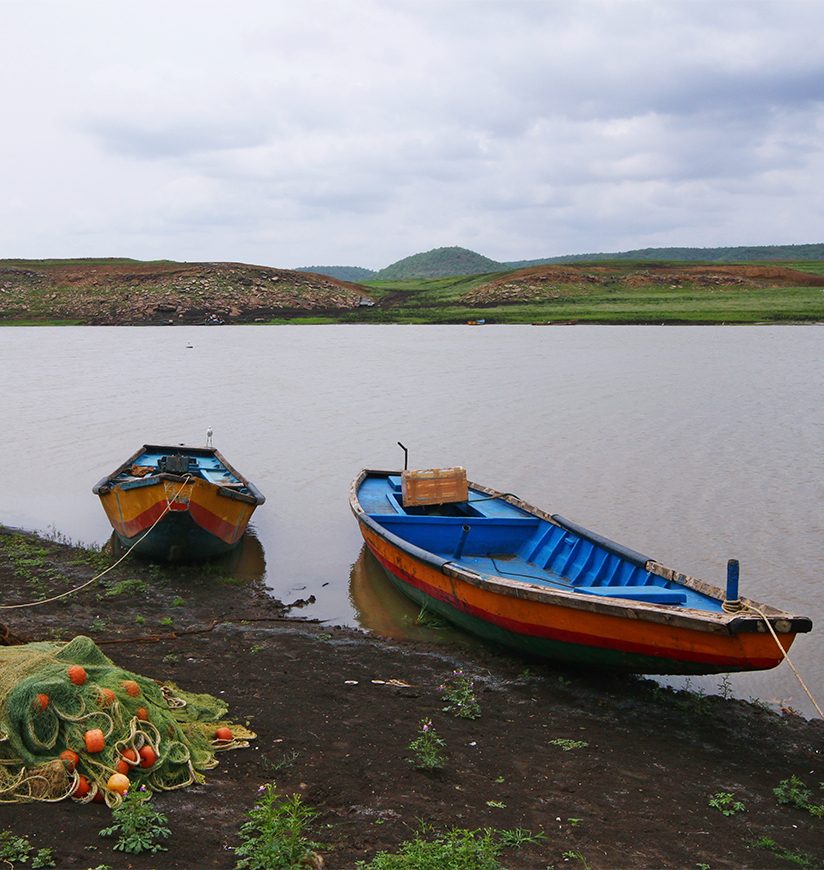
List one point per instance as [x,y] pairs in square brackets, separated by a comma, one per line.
[133,292]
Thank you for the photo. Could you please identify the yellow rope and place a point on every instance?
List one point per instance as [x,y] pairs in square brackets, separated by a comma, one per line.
[738,608]
[102,573]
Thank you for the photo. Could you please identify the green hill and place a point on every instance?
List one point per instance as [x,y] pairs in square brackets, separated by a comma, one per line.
[740,254]
[439,263]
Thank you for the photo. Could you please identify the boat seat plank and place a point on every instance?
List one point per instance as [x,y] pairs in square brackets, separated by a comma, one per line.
[650,594]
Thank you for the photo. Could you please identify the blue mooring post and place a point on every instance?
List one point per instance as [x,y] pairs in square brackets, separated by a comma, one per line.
[461,541]
[732,580]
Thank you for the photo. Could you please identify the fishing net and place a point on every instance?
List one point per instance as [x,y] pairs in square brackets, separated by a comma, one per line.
[56,697]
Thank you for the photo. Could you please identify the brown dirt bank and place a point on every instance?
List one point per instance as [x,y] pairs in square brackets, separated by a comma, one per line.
[132,292]
[548,282]
[636,795]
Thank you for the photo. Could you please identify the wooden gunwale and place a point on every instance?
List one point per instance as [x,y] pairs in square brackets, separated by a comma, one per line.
[689,618]
[253,497]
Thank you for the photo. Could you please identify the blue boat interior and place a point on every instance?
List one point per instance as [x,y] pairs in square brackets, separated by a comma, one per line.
[149,464]
[492,537]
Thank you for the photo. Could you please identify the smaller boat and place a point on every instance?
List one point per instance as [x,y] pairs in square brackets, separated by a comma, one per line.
[178,504]
[541,584]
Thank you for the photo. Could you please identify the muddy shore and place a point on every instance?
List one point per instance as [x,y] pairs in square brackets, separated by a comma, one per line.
[634,793]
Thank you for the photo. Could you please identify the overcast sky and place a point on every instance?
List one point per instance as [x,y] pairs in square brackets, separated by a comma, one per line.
[358,132]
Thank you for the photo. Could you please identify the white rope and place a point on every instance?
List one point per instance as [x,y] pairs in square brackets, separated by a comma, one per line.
[784,652]
[102,573]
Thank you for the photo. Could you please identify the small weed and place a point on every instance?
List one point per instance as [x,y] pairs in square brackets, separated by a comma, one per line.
[165,620]
[725,687]
[428,747]
[795,793]
[256,648]
[274,836]
[125,587]
[323,635]
[43,858]
[571,855]
[456,848]
[430,620]
[137,825]
[459,694]
[517,838]
[498,805]
[179,602]
[286,761]
[97,624]
[574,822]
[14,849]
[171,659]
[725,803]
[800,859]
[499,779]
[139,619]
[568,745]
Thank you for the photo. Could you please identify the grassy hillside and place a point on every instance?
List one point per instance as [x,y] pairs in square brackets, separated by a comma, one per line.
[439,263]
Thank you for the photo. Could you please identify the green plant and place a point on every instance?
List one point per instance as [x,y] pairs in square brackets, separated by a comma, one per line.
[286,760]
[430,620]
[568,745]
[497,805]
[794,792]
[14,849]
[456,849]
[571,855]
[273,836]
[725,802]
[139,619]
[459,694]
[725,687]
[179,602]
[43,858]
[516,838]
[428,746]
[170,659]
[800,859]
[165,620]
[135,587]
[137,824]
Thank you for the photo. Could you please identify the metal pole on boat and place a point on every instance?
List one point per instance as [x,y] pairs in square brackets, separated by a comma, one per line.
[405,456]
[732,600]
[461,542]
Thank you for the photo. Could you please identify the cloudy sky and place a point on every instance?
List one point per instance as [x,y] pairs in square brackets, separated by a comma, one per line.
[360,131]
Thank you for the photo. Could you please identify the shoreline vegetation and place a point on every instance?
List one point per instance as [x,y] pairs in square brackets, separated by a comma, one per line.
[369,750]
[131,293]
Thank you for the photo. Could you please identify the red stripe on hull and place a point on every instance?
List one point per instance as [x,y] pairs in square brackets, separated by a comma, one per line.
[204,518]
[564,636]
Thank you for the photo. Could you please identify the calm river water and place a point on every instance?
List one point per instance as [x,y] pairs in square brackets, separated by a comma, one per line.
[691,444]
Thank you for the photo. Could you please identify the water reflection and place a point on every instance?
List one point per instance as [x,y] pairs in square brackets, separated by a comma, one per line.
[381,609]
[246,562]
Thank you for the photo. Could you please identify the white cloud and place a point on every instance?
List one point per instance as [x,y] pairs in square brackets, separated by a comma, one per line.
[360,132]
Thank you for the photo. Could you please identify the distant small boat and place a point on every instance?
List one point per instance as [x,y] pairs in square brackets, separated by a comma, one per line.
[200,503]
[541,584]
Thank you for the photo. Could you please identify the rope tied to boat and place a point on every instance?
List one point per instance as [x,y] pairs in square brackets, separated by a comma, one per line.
[169,503]
[739,606]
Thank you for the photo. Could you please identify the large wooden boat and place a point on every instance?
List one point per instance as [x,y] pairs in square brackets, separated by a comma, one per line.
[539,583]
[178,504]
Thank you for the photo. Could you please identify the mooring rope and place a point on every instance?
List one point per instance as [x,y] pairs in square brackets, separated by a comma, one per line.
[148,531]
[738,607]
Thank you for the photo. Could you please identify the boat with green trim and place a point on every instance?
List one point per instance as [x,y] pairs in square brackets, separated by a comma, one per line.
[178,504]
[539,583]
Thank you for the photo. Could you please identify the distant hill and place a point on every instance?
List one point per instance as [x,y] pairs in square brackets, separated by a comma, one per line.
[448,262]
[342,273]
[741,254]
[439,263]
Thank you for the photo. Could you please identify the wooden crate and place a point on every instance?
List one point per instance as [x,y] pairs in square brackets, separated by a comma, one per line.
[434,486]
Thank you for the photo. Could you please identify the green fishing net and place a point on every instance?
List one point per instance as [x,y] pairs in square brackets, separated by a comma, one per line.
[56,697]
